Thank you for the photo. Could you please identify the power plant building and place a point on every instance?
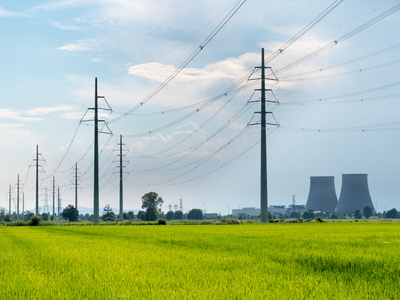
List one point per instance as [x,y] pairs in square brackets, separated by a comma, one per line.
[354,194]
[322,195]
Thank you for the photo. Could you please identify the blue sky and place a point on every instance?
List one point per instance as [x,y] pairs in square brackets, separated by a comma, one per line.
[338,110]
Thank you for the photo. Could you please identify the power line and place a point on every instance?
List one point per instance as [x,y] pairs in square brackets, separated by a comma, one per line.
[238,5]
[341,39]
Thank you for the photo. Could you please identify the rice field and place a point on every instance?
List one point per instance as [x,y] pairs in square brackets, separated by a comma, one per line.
[266,261]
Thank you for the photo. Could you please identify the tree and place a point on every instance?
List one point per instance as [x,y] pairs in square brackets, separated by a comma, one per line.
[170,215]
[242,216]
[151,202]
[392,213]
[334,216]
[70,213]
[178,215]
[357,214]
[2,214]
[368,211]
[131,214]
[108,214]
[45,216]
[141,215]
[195,214]
[295,215]
[126,216]
[308,214]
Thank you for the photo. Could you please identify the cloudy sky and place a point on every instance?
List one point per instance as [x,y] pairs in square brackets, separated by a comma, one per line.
[179,77]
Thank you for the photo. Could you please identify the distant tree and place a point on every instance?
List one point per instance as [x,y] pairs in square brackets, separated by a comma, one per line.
[294,214]
[126,216]
[108,214]
[7,218]
[334,216]
[151,202]
[70,213]
[242,216]
[170,215]
[195,214]
[2,215]
[178,215]
[131,214]
[308,214]
[28,215]
[141,215]
[368,211]
[392,213]
[357,214]
[45,216]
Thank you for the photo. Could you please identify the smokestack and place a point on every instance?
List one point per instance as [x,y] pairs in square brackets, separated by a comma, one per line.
[354,194]
[322,195]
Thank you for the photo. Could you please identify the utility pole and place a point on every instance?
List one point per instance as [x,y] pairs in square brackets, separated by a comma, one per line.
[23,206]
[121,182]
[96,150]
[37,181]
[46,200]
[264,188]
[76,186]
[54,191]
[96,158]
[58,208]
[264,112]
[18,197]
[9,202]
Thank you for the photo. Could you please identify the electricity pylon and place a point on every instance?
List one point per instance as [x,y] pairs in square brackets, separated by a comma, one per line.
[121,177]
[96,150]
[264,112]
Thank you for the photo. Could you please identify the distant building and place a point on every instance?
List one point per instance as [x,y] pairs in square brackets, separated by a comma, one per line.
[211,216]
[295,208]
[354,194]
[277,209]
[322,195]
[248,211]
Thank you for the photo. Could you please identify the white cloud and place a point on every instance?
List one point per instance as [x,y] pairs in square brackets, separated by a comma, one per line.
[47,110]
[97,59]
[7,13]
[82,45]
[71,116]
[66,27]
[5,126]
[15,115]
[226,69]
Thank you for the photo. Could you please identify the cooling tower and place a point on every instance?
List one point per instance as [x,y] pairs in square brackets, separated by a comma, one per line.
[354,194]
[322,195]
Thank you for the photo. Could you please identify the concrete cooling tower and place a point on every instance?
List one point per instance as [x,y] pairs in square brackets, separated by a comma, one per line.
[322,195]
[354,194]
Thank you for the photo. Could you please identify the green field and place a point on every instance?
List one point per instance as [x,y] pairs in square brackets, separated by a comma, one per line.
[270,261]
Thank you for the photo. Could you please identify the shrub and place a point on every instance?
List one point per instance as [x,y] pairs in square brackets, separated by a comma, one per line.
[319,220]
[35,221]
[292,220]
[161,222]
[228,221]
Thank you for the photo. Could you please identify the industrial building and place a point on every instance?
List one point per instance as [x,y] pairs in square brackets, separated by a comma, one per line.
[248,211]
[354,193]
[322,195]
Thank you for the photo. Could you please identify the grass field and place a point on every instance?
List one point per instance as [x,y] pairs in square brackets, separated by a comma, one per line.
[270,261]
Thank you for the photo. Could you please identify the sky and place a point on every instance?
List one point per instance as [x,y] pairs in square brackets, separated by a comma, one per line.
[181,79]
